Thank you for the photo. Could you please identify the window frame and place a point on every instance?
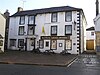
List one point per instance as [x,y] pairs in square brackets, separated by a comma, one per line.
[20,22]
[66,15]
[46,43]
[33,30]
[32,20]
[14,41]
[19,43]
[92,33]
[53,17]
[66,29]
[19,30]
[52,30]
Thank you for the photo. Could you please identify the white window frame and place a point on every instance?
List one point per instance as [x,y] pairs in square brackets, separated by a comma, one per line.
[67,32]
[21,30]
[68,16]
[22,20]
[53,30]
[31,19]
[54,17]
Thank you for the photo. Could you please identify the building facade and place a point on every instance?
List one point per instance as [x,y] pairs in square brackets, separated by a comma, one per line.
[2,32]
[90,38]
[97,32]
[56,28]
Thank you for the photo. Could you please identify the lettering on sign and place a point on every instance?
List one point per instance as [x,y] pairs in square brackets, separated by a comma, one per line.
[55,37]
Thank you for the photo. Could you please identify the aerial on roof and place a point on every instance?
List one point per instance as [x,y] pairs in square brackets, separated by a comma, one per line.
[46,10]
[91,28]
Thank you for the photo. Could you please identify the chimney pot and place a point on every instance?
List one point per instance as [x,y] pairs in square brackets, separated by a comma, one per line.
[19,9]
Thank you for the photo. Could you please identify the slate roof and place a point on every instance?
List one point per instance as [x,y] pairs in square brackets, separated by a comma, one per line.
[89,29]
[46,10]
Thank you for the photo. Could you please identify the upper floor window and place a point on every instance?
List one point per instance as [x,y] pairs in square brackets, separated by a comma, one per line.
[31,20]
[31,30]
[21,30]
[53,30]
[54,17]
[22,20]
[68,16]
[92,33]
[68,29]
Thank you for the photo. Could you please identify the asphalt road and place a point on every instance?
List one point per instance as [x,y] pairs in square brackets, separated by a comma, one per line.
[84,65]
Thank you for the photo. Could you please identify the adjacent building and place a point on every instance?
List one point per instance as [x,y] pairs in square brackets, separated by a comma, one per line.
[90,38]
[97,27]
[2,32]
[56,28]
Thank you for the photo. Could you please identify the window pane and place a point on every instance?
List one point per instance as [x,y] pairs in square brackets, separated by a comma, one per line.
[54,17]
[47,44]
[54,30]
[31,30]
[68,16]
[31,19]
[22,20]
[20,42]
[68,29]
[21,30]
[92,33]
[12,42]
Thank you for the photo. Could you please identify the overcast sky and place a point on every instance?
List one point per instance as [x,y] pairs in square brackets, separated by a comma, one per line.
[88,6]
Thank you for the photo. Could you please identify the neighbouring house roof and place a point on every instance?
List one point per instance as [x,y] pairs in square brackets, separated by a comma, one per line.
[46,10]
[89,29]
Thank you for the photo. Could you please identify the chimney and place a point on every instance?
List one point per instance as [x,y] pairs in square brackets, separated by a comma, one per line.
[7,14]
[19,9]
[97,7]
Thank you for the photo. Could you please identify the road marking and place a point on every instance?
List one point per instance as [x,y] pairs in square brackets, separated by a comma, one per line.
[72,62]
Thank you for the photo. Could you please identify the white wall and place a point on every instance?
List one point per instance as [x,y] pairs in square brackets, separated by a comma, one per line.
[89,36]
[2,29]
[44,20]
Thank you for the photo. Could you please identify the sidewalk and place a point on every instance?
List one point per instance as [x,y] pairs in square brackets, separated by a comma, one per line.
[29,58]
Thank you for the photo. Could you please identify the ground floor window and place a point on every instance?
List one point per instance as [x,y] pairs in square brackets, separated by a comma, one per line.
[41,43]
[1,42]
[20,42]
[68,44]
[47,44]
[53,44]
[12,42]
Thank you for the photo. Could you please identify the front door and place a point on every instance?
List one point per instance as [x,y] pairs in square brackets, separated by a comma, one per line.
[32,44]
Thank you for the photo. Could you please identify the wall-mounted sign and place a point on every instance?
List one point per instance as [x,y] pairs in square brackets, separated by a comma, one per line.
[55,37]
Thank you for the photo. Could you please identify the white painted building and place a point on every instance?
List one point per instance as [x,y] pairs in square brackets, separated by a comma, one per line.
[2,32]
[56,28]
[90,38]
[97,32]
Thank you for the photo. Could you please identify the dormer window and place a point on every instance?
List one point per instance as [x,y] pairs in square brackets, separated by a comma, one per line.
[31,20]
[22,20]
[54,17]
